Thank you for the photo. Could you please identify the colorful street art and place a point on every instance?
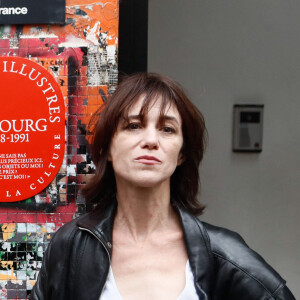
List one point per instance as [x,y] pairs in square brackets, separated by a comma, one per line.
[82,56]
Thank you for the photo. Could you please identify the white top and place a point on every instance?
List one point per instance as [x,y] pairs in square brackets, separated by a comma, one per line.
[111,292]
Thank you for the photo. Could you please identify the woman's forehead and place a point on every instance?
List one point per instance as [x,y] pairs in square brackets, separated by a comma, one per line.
[143,106]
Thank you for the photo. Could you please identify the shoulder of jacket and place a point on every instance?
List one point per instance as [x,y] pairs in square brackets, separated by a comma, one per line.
[229,247]
[64,235]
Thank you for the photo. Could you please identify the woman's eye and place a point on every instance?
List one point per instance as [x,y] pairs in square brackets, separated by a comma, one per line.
[169,130]
[133,126]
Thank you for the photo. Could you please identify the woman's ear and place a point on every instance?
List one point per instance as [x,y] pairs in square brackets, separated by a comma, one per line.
[180,159]
[109,156]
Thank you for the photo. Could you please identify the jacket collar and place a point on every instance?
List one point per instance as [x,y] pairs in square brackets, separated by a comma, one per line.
[100,224]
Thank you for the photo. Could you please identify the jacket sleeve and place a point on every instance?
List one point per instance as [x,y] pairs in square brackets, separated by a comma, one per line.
[40,289]
[241,272]
[284,294]
[51,281]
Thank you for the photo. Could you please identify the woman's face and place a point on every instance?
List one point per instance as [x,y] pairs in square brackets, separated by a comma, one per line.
[147,153]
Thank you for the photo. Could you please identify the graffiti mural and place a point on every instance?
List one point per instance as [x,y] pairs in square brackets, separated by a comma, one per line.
[82,56]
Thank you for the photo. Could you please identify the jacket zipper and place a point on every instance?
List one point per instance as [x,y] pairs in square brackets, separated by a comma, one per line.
[103,244]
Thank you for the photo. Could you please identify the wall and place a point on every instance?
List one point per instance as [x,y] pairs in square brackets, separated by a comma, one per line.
[81,55]
[234,52]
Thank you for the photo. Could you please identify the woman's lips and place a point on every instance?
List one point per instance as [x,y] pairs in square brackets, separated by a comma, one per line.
[148,160]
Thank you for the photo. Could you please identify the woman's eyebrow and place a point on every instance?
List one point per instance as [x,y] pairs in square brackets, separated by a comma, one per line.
[134,116]
[162,118]
[169,118]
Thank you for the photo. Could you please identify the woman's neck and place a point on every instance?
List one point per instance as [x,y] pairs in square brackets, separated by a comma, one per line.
[142,212]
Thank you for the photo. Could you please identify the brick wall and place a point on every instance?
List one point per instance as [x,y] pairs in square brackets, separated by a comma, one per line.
[82,56]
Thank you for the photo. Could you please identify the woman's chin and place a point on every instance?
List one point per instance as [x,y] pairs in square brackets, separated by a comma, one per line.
[150,182]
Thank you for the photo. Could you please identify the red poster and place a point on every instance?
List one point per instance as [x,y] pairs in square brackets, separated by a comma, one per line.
[32,128]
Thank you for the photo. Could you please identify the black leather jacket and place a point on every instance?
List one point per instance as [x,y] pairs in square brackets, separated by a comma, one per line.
[77,261]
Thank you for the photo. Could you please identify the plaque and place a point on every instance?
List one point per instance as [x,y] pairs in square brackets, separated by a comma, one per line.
[32,128]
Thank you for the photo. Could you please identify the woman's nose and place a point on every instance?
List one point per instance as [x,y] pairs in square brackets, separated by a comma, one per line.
[150,139]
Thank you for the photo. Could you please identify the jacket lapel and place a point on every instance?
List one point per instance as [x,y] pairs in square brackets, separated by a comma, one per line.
[199,252]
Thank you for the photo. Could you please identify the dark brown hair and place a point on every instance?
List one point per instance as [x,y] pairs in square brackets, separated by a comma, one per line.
[185,180]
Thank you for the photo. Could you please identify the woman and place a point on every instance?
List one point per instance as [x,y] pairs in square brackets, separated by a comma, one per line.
[143,240]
